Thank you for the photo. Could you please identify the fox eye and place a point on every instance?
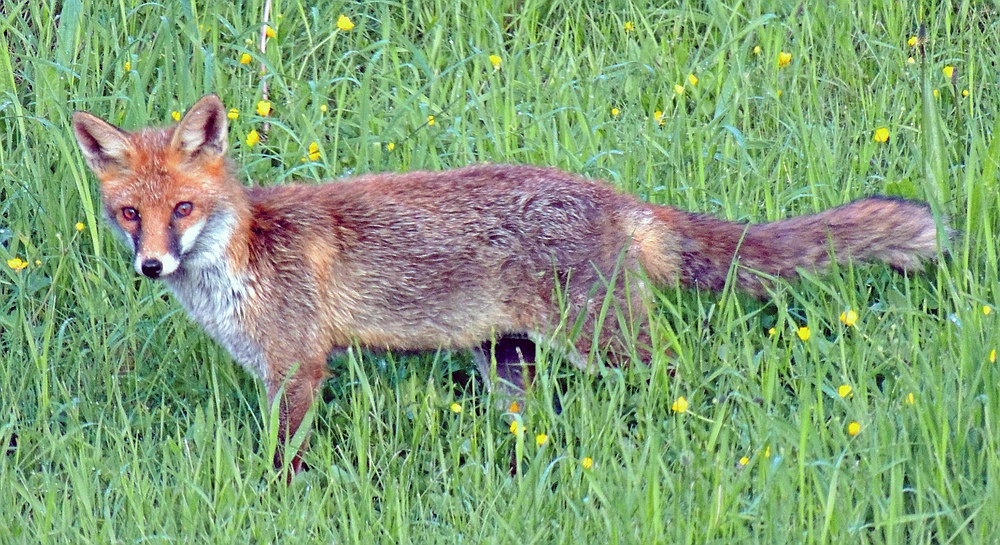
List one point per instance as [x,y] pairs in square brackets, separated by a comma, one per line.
[183,209]
[130,214]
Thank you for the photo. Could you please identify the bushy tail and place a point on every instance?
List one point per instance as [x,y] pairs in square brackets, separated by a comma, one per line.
[898,232]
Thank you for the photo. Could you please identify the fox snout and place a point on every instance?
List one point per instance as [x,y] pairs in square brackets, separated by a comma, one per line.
[151,267]
[155,266]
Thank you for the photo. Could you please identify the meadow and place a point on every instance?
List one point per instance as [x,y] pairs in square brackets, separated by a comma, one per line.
[859,406]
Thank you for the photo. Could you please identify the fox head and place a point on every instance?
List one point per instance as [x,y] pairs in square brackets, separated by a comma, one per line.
[160,187]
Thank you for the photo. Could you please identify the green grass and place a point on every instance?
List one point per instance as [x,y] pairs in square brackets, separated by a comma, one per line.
[126,423]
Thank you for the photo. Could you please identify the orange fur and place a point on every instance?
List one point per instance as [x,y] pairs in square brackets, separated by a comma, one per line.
[283,276]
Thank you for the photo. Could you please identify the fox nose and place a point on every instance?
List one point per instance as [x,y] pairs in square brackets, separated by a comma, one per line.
[152,268]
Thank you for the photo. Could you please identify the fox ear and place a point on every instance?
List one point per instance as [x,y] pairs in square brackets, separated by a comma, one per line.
[203,130]
[103,144]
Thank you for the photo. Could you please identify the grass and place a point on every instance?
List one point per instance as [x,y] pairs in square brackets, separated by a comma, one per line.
[123,422]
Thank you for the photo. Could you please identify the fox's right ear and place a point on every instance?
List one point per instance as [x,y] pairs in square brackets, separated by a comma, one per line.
[103,145]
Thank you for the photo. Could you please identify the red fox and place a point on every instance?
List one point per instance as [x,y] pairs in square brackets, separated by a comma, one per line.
[283,276]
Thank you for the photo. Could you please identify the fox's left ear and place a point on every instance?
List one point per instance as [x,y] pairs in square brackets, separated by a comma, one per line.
[203,130]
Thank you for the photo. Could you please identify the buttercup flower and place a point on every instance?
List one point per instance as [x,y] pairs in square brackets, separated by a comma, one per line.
[658,116]
[495,60]
[17,264]
[756,50]
[514,407]
[784,59]
[263,108]
[313,151]
[344,23]
[128,66]
[390,146]
[80,226]
[516,428]
[910,400]
[615,112]
[269,32]
[912,42]
[252,138]
[430,120]
[803,333]
[993,355]
[680,406]
[234,113]
[949,71]
[456,408]
[844,390]
[744,461]
[692,79]
[679,89]
[175,115]
[629,26]
[987,310]
[853,428]
[849,317]
[587,462]
[881,135]
[245,58]
[541,439]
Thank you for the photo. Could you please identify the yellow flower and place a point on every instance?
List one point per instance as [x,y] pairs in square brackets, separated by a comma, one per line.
[881,135]
[680,406]
[987,310]
[128,66]
[784,59]
[38,262]
[234,113]
[456,408]
[514,407]
[844,390]
[772,332]
[516,428]
[692,79]
[390,146]
[936,93]
[993,355]
[629,26]
[253,138]
[245,58]
[911,60]
[853,428]
[587,462]
[263,108]
[779,93]
[658,116]
[80,226]
[949,71]
[17,264]
[323,108]
[849,317]
[269,32]
[756,50]
[176,115]
[313,151]
[495,60]
[615,112]
[744,461]
[767,452]
[965,92]
[541,439]
[430,120]
[910,400]
[344,23]
[803,333]
[912,42]
[679,89]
